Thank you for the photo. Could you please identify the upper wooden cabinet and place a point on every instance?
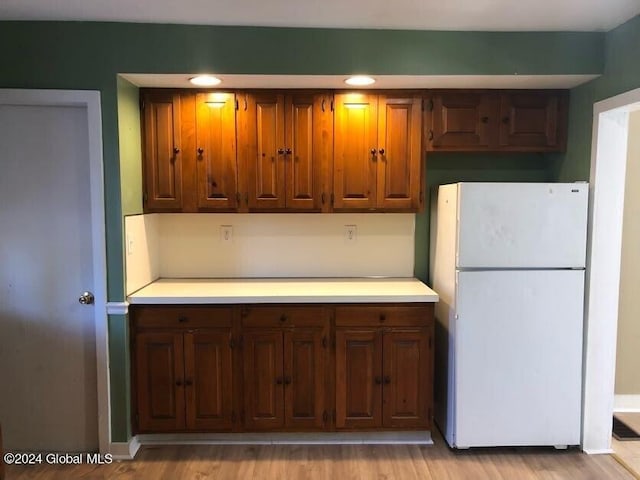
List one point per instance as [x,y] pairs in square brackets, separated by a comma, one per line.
[483,120]
[285,150]
[162,161]
[377,152]
[216,175]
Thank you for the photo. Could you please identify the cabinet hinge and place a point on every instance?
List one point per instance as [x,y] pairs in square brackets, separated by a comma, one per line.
[323,198]
[431,104]
[237,104]
[142,104]
[430,135]
[333,197]
[324,342]
[144,198]
[332,105]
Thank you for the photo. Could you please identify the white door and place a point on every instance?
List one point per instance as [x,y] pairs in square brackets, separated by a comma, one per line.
[522,225]
[47,338]
[518,369]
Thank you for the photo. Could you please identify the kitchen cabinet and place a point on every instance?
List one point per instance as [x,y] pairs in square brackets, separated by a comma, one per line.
[285,355]
[285,150]
[377,152]
[183,373]
[384,367]
[162,153]
[499,120]
[215,152]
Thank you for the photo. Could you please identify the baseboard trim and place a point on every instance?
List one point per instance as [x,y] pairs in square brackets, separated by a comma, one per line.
[626,403]
[422,437]
[117,308]
[125,450]
[603,451]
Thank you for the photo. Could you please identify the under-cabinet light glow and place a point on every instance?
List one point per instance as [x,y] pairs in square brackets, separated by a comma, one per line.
[359,80]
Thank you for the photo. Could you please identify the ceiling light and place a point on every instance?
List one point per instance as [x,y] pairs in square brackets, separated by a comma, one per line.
[359,80]
[205,80]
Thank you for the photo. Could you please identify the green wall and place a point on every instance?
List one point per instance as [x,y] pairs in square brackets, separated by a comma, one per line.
[86,55]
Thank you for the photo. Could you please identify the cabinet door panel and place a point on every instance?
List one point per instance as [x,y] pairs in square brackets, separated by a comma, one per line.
[304,374]
[160,382]
[216,151]
[303,127]
[208,377]
[358,378]
[264,165]
[263,380]
[406,375]
[355,137]
[530,120]
[162,162]
[399,152]
[461,121]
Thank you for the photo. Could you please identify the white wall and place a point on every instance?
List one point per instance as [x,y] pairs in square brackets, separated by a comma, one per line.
[267,245]
[628,345]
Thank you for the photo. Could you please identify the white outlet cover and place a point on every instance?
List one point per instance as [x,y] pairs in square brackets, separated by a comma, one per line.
[350,233]
[226,233]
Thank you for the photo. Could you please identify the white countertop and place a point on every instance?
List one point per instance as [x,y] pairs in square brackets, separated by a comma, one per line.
[284,290]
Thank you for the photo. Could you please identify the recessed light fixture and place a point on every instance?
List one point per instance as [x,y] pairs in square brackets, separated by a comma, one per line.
[359,80]
[205,80]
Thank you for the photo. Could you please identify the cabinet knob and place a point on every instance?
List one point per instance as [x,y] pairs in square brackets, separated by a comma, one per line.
[183,319]
[378,380]
[288,151]
[387,380]
[383,317]
[484,119]
[287,380]
[176,150]
[373,152]
[200,150]
[279,381]
[188,382]
[283,318]
[505,120]
[281,151]
[178,383]
[381,151]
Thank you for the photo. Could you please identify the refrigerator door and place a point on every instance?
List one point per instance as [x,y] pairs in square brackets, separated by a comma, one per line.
[518,348]
[522,225]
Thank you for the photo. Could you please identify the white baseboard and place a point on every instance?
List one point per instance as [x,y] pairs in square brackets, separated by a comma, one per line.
[125,450]
[626,403]
[317,438]
[604,451]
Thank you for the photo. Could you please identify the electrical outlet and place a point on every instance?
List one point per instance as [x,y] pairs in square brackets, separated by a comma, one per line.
[226,233]
[350,233]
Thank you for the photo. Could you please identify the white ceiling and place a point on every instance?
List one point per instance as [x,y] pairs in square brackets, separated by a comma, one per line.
[488,15]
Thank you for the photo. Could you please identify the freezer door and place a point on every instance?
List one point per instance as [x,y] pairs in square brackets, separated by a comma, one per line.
[522,225]
[518,368]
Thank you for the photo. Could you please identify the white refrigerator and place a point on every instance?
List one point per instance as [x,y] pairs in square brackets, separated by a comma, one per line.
[507,260]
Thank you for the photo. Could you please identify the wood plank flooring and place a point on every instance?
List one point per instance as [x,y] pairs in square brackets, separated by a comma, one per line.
[340,462]
[629,450]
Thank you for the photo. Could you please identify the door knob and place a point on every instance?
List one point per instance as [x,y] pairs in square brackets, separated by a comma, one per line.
[86,298]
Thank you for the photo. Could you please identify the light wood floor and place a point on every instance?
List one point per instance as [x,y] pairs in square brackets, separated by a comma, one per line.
[629,450]
[340,462]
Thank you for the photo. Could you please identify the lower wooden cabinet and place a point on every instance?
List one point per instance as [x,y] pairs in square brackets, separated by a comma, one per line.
[384,373]
[280,368]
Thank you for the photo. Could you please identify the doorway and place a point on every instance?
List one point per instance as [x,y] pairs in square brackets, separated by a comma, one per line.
[52,249]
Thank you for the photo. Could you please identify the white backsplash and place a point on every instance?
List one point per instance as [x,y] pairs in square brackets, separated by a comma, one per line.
[270,245]
[142,257]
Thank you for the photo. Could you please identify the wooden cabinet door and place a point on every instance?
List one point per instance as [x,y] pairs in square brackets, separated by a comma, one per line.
[399,152]
[216,173]
[307,129]
[304,378]
[407,378]
[160,382]
[532,120]
[263,379]
[162,152]
[358,378]
[460,121]
[355,151]
[261,131]
[208,380]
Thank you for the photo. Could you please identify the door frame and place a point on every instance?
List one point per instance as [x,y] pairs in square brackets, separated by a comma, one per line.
[89,100]
[607,185]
